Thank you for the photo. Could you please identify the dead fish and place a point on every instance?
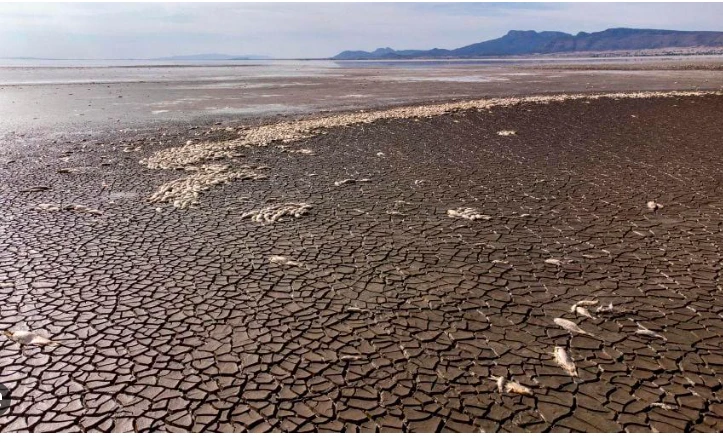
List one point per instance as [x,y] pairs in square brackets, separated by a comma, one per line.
[553,261]
[584,312]
[654,206]
[647,332]
[664,406]
[563,359]
[587,303]
[82,209]
[47,207]
[510,386]
[26,338]
[605,309]
[570,326]
[501,382]
[506,133]
[283,260]
[36,189]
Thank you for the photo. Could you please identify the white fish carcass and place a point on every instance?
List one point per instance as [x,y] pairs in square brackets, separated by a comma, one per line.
[570,326]
[26,338]
[563,359]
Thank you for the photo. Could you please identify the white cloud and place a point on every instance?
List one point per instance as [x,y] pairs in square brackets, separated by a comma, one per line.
[308,30]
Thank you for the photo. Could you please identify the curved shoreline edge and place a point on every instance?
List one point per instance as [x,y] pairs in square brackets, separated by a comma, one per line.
[193,157]
[291,131]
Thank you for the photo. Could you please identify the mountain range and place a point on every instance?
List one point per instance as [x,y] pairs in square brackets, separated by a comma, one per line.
[516,43]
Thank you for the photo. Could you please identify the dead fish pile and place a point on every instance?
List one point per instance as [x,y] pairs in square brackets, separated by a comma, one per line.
[283,260]
[351,180]
[273,213]
[570,327]
[27,338]
[563,359]
[510,386]
[184,191]
[179,157]
[468,213]
[506,133]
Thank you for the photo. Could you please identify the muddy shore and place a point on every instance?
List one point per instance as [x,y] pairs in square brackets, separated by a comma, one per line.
[372,307]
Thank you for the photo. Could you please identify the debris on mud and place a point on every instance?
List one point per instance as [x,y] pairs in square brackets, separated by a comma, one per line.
[654,206]
[47,207]
[82,209]
[563,359]
[510,386]
[184,191]
[283,260]
[468,213]
[273,213]
[36,189]
[642,330]
[570,326]
[28,338]
[351,180]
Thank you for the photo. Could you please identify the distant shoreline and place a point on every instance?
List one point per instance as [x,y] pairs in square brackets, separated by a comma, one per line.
[621,54]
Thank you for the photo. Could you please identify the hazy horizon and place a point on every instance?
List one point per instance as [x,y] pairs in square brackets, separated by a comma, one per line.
[285,31]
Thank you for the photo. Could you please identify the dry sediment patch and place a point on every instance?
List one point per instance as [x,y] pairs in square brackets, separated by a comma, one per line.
[184,191]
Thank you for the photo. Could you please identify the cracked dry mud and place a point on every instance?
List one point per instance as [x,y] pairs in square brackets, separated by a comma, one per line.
[396,317]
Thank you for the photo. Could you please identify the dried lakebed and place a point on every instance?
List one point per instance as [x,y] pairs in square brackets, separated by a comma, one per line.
[478,269]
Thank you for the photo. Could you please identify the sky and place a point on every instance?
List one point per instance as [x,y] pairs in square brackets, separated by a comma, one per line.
[295,30]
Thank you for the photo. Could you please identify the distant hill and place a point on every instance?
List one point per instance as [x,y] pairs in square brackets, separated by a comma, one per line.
[516,43]
[212,57]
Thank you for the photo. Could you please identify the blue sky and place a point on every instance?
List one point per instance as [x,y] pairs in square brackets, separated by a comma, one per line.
[147,30]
